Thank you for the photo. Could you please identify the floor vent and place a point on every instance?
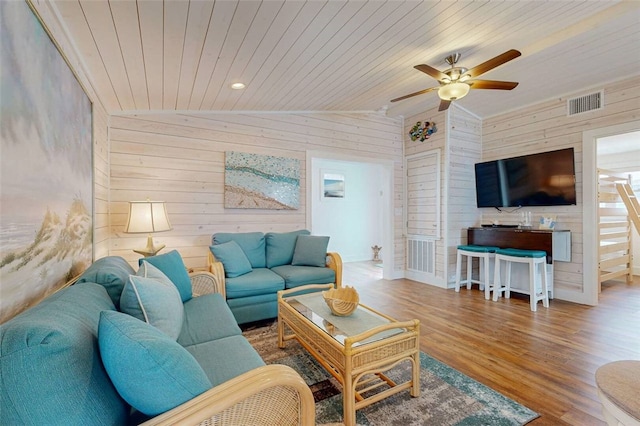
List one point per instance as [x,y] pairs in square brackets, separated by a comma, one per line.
[421,255]
[591,102]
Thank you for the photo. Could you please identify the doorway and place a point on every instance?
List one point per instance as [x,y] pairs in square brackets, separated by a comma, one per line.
[590,142]
[351,199]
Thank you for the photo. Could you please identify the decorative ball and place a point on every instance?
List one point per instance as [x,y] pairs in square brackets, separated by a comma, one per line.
[342,301]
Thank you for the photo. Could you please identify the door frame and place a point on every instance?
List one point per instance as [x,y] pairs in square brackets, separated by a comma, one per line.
[388,255]
[590,204]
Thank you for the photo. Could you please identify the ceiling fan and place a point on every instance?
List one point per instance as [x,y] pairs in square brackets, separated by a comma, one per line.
[456,82]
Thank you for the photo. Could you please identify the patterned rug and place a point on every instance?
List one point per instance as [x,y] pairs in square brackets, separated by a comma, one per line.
[447,396]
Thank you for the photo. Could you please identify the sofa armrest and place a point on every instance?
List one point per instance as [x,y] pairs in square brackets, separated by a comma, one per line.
[249,399]
[334,261]
[216,268]
[204,282]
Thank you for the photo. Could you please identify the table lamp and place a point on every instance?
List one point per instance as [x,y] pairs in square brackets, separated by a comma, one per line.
[147,217]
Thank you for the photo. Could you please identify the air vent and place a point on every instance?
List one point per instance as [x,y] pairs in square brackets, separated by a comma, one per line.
[586,103]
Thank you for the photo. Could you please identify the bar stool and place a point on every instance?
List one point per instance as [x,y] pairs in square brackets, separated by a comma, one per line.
[537,261]
[484,254]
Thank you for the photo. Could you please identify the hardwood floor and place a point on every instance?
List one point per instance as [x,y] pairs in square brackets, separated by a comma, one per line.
[545,360]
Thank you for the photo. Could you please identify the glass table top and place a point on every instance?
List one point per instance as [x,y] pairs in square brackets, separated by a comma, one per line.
[313,307]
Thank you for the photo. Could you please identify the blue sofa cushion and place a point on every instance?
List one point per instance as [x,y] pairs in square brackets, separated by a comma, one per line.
[311,250]
[252,244]
[172,266]
[295,276]
[233,259]
[156,374]
[280,246]
[112,272]
[41,345]
[206,318]
[153,299]
[226,358]
[258,281]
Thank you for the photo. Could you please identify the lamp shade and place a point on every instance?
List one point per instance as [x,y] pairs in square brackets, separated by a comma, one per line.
[453,91]
[147,217]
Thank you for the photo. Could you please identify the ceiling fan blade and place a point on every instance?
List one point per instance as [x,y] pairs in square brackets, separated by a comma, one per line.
[444,105]
[438,75]
[414,94]
[492,84]
[493,63]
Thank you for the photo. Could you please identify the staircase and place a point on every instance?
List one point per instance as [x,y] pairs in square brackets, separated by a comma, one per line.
[631,201]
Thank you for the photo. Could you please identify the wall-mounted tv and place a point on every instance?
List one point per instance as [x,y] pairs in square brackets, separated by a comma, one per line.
[543,179]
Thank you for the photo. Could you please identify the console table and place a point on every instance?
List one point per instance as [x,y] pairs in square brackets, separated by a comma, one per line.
[557,244]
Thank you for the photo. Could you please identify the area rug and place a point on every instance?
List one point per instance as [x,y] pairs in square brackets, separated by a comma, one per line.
[447,396]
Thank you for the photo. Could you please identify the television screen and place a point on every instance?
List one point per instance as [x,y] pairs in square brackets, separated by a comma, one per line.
[544,179]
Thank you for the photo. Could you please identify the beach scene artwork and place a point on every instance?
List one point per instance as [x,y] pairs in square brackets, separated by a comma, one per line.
[333,185]
[254,181]
[46,227]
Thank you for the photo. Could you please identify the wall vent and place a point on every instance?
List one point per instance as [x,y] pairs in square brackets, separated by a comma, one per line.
[591,102]
[421,255]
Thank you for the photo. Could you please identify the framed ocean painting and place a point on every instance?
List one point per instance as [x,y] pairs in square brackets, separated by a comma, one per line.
[46,181]
[255,181]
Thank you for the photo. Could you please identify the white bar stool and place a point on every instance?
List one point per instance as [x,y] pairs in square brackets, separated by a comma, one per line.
[537,261]
[484,254]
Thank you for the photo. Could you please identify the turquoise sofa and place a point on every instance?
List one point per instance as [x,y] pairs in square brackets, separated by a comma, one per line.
[252,267]
[75,359]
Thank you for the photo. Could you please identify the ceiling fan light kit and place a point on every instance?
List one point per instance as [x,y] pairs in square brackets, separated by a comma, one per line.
[453,91]
[456,82]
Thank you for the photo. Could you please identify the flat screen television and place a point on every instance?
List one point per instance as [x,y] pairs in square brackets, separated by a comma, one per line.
[543,179]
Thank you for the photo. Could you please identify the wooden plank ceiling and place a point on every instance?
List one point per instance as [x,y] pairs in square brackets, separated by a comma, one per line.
[342,55]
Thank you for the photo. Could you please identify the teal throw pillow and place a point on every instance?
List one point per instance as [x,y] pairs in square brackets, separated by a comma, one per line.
[154,299]
[150,371]
[311,250]
[280,246]
[172,266]
[233,259]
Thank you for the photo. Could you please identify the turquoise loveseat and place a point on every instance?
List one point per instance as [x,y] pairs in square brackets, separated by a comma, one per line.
[252,267]
[74,359]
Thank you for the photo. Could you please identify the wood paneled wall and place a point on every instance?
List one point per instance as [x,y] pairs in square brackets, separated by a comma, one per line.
[100,129]
[546,127]
[179,158]
[436,141]
[459,139]
[464,149]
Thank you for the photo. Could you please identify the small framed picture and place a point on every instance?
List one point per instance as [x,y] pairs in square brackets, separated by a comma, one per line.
[547,222]
[333,185]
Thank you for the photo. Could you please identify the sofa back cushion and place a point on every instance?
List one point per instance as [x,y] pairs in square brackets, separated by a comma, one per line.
[50,366]
[280,246]
[251,243]
[111,272]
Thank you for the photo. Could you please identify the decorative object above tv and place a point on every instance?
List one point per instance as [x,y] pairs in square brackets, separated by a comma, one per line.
[543,179]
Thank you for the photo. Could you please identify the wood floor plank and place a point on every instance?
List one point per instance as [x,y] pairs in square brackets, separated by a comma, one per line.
[545,360]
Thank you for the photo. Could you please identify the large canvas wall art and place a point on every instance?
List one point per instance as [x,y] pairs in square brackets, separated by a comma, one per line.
[46,177]
[254,181]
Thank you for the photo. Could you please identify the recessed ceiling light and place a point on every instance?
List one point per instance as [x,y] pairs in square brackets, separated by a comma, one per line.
[238,86]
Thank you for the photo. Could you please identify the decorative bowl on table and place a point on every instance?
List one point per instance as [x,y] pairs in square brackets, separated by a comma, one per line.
[342,301]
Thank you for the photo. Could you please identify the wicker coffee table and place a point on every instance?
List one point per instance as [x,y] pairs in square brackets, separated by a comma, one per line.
[356,349]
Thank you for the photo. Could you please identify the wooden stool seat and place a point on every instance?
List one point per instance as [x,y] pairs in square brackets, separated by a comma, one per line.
[537,261]
[484,254]
[619,391]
